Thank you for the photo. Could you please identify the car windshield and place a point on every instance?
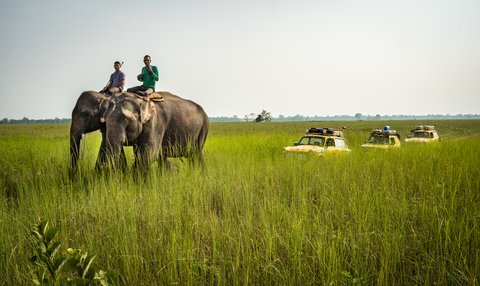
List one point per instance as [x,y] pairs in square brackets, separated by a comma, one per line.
[375,139]
[309,140]
[420,134]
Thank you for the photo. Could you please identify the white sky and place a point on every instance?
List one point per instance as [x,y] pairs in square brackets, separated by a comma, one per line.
[304,57]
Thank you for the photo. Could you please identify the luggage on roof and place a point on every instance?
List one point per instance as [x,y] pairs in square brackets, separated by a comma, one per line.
[384,132]
[425,127]
[325,131]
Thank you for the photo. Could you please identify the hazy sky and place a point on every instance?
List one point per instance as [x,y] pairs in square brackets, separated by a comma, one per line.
[236,57]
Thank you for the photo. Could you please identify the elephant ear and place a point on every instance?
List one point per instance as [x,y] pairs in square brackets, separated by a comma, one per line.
[146,111]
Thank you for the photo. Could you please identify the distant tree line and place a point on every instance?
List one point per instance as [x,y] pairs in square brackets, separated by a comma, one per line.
[266,116]
[358,116]
[25,120]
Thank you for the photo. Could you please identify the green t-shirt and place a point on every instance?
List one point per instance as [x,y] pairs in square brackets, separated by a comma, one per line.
[149,79]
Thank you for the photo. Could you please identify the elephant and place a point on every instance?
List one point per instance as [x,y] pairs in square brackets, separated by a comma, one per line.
[85,119]
[173,127]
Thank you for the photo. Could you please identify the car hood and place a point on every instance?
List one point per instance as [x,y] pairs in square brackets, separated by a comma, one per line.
[315,150]
[303,148]
[419,140]
[379,146]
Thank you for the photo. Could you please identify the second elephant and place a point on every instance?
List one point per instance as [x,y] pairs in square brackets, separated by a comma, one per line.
[174,127]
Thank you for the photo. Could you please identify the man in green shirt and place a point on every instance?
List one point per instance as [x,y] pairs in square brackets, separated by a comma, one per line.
[148,76]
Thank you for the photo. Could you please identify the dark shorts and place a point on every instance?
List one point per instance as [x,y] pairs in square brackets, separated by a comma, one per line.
[145,89]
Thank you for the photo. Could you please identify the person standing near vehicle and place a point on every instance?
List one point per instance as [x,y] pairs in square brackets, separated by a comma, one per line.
[116,81]
[148,76]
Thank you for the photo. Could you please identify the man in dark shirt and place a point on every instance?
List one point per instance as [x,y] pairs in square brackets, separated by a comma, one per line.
[117,80]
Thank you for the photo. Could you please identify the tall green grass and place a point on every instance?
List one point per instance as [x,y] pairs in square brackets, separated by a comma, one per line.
[255,216]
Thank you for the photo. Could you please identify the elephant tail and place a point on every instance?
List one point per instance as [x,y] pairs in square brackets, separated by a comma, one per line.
[202,136]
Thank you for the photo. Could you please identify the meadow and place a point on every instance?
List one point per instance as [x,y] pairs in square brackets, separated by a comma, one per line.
[409,216]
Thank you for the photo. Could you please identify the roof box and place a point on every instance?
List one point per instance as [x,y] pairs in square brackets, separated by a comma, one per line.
[384,132]
[325,131]
[425,127]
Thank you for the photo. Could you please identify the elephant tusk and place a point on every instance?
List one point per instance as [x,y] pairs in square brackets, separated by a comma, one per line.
[83,146]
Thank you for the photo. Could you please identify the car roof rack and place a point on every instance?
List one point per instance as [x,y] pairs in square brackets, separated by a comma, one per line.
[424,127]
[325,131]
[383,132]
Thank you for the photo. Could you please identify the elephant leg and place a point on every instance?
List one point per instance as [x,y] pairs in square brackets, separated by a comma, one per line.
[123,159]
[165,163]
[102,155]
[195,157]
[143,158]
[201,161]
[162,159]
[199,158]
[136,154]
[168,163]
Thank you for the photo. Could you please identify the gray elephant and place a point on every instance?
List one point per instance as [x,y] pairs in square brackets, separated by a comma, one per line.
[174,127]
[85,119]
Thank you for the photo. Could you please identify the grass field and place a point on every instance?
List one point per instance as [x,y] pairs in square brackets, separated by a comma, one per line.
[408,216]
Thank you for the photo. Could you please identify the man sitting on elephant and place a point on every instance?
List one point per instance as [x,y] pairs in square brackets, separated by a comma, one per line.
[148,76]
[116,81]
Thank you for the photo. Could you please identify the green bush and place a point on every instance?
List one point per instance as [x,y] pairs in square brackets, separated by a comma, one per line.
[52,268]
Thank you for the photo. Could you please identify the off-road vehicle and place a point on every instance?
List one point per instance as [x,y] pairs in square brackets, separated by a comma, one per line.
[320,142]
[423,133]
[383,138]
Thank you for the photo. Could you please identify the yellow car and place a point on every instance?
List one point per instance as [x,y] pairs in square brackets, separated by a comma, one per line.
[423,133]
[320,142]
[383,139]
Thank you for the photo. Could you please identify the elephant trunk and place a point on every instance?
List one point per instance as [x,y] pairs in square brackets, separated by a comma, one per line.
[75,136]
[115,142]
